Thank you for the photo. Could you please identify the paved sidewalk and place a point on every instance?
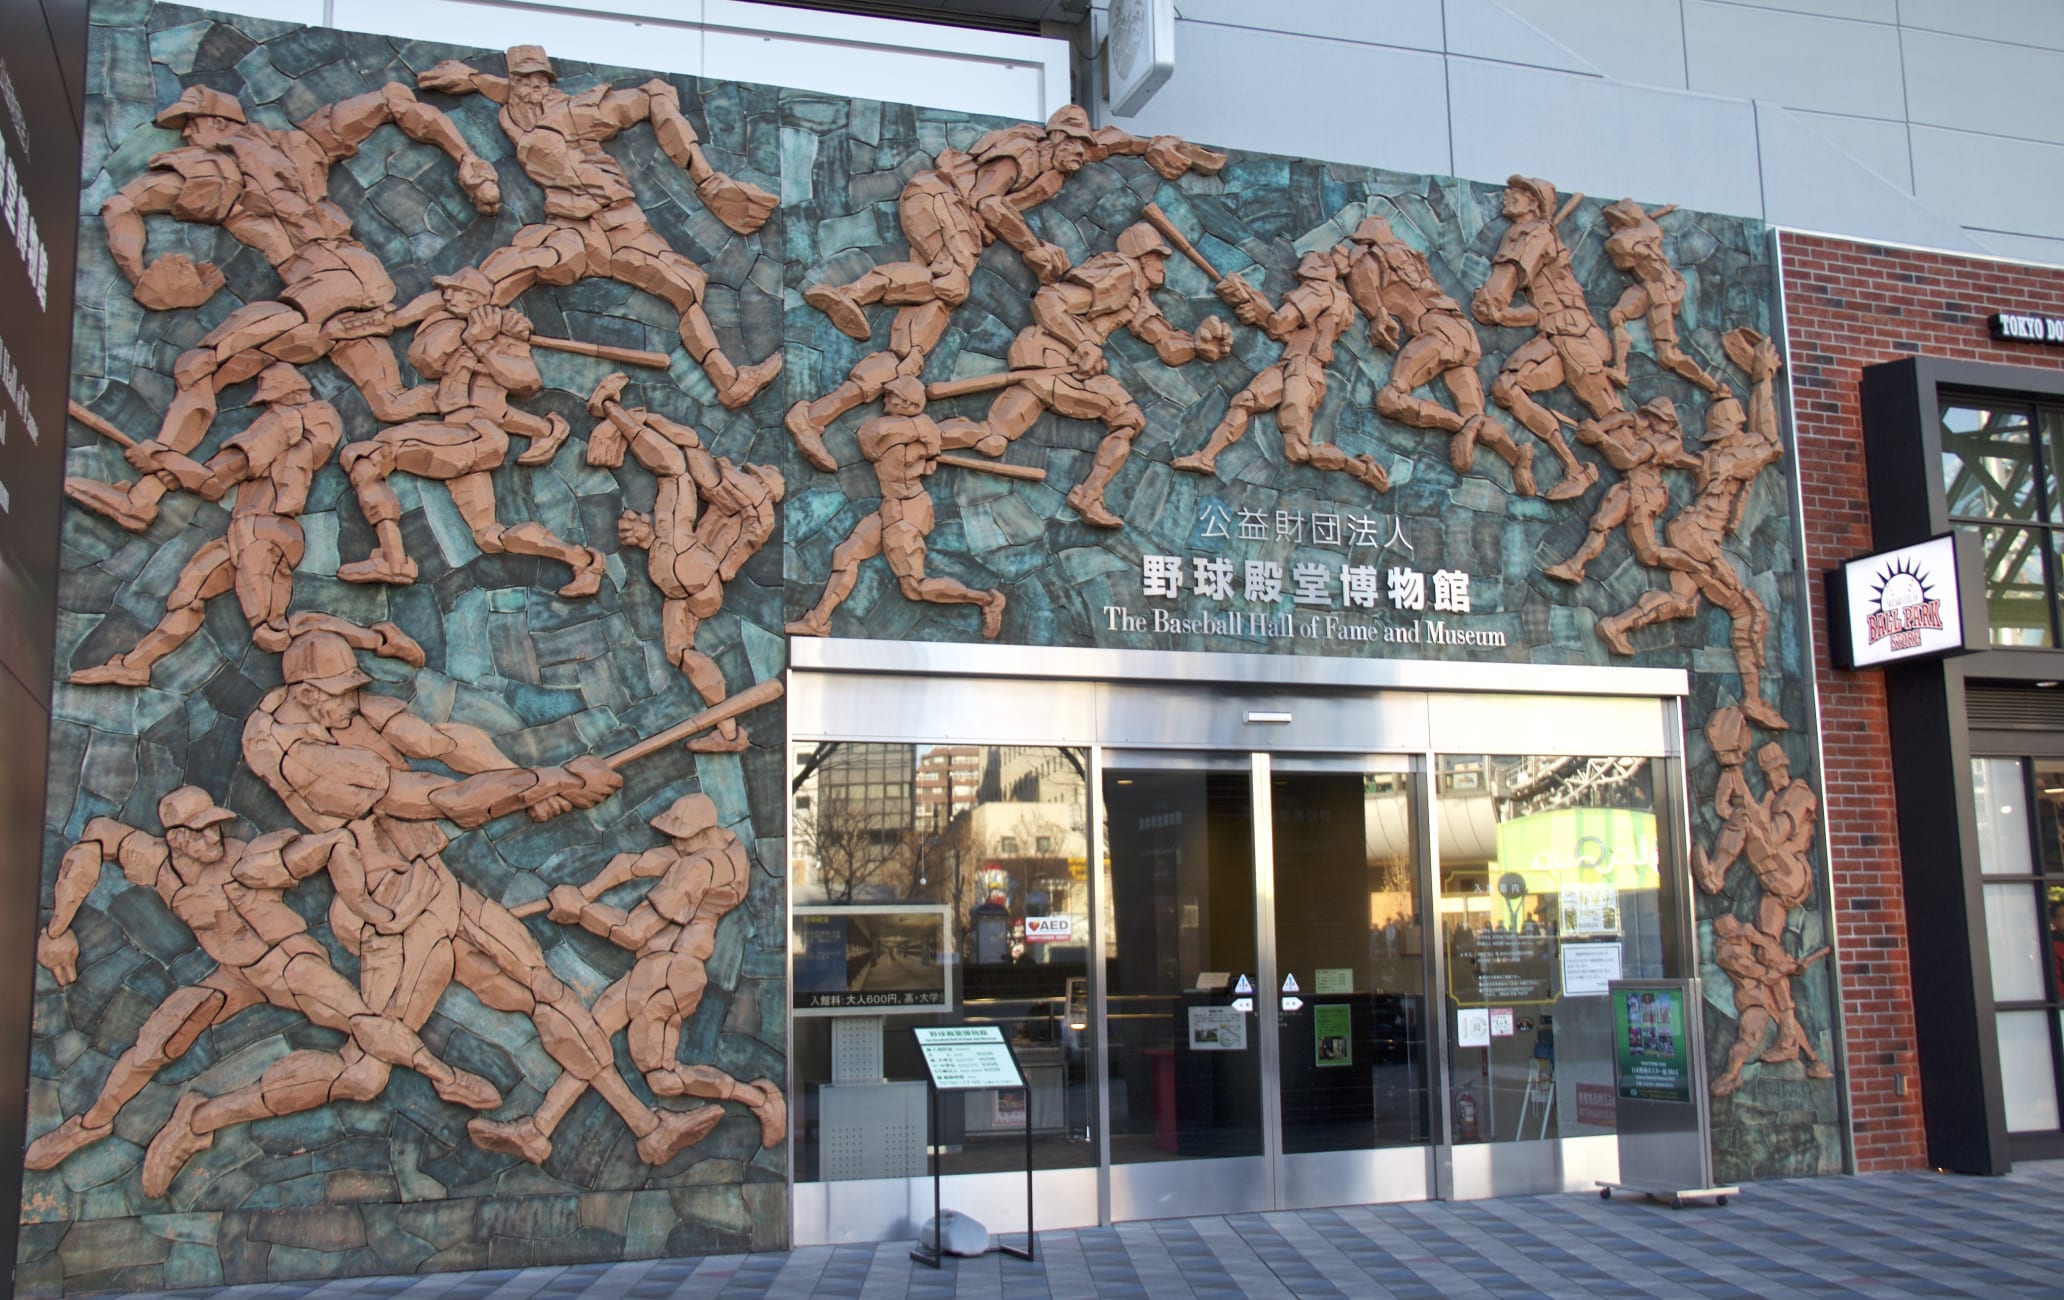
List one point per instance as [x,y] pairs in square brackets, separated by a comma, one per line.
[1879,1235]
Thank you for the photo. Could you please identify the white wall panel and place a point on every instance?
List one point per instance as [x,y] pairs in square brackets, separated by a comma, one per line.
[1872,11]
[1411,24]
[1340,102]
[842,54]
[2025,248]
[1798,60]
[1639,41]
[2015,186]
[1878,145]
[2025,22]
[970,85]
[902,62]
[1985,86]
[1606,138]
[1485,29]
[660,46]
[1810,184]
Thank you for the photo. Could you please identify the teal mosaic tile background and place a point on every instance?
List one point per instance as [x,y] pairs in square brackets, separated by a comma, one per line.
[394,1185]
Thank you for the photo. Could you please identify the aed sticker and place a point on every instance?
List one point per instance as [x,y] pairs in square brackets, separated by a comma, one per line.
[1049,929]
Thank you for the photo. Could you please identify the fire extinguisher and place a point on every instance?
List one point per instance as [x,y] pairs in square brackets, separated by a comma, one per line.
[1465,1114]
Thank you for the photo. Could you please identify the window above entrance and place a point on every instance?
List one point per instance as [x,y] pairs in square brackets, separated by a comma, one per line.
[1999,474]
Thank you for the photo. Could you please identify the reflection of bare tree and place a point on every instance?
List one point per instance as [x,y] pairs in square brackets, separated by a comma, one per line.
[948,871]
[854,850]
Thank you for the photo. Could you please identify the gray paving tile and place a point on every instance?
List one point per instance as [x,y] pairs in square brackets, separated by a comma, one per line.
[1885,1236]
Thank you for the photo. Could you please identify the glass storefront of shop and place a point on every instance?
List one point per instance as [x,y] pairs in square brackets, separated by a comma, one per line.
[1352,961]
[2020,812]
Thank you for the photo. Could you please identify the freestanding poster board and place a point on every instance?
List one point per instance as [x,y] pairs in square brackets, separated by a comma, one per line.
[970,1058]
[1659,1093]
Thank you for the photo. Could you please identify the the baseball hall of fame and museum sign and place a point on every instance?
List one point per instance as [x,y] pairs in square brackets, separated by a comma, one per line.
[505,498]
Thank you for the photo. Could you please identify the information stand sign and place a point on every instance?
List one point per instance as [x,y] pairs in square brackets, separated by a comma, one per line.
[970,1058]
[1660,1101]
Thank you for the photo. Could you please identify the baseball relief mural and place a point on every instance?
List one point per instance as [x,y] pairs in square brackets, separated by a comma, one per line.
[421,906]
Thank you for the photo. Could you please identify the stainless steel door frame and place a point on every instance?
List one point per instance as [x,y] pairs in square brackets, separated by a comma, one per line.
[1095,969]
[1267,998]
[1440,1152]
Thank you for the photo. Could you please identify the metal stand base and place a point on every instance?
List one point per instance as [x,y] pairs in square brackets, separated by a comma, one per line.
[1674,1196]
[932,1255]
[930,1258]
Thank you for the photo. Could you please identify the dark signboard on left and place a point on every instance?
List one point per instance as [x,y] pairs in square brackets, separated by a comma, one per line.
[39,178]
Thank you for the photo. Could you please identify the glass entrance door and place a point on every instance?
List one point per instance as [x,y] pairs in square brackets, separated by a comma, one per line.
[1265,960]
[1352,1095]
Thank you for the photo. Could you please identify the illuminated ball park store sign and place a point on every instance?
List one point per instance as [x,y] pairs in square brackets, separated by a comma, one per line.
[1918,602]
[1372,591]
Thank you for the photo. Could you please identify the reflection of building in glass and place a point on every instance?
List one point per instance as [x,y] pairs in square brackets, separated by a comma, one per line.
[1537,783]
[946,782]
[1001,827]
[852,839]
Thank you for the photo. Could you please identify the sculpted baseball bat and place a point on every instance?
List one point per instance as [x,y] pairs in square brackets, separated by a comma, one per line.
[994,467]
[985,383]
[1159,221]
[99,426]
[752,697]
[623,356]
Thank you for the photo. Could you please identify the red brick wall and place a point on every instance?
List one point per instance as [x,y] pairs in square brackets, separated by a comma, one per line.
[1847,306]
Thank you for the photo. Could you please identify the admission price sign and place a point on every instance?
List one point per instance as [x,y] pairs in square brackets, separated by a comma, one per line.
[970,1058]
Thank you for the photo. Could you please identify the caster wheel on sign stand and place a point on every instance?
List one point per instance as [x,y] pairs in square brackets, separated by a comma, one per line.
[1605,1193]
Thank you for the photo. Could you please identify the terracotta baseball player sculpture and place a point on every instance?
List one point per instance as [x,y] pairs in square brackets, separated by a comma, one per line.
[1309,323]
[1411,315]
[1762,973]
[708,519]
[949,214]
[593,224]
[271,465]
[1636,247]
[1640,445]
[1728,736]
[904,446]
[340,759]
[1060,357]
[1774,833]
[269,188]
[1737,448]
[702,873]
[480,357]
[264,956]
[1569,350]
